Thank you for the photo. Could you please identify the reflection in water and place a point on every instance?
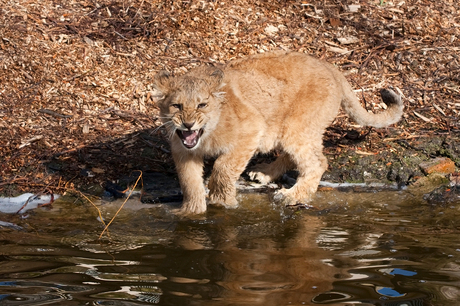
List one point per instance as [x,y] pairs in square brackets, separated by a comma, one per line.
[366,250]
[268,271]
[37,293]
[147,294]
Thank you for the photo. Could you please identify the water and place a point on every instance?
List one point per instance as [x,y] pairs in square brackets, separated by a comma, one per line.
[368,248]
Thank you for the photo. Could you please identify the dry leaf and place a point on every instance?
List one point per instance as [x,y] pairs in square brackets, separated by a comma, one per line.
[98,170]
[335,22]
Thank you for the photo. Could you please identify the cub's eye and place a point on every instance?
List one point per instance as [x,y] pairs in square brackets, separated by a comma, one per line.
[202,105]
[178,106]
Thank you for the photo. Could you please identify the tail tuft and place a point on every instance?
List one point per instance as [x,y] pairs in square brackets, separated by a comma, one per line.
[390,97]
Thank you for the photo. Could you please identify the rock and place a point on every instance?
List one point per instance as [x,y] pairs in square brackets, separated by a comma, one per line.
[431,181]
[441,165]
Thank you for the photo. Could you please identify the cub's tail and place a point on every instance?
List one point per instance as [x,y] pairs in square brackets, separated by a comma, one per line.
[392,114]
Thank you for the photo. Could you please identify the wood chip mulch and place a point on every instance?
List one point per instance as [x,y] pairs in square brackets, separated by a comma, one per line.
[75,75]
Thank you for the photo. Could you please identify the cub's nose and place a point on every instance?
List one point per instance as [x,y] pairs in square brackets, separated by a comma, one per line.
[188,125]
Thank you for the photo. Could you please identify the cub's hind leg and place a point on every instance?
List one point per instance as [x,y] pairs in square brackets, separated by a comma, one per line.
[311,164]
[266,173]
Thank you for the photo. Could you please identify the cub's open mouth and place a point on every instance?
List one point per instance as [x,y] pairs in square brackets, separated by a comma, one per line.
[189,138]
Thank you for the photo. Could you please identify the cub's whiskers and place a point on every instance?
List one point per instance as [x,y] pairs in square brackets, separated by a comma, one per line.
[169,127]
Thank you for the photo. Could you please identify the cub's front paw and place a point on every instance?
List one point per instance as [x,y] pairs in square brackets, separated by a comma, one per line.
[192,208]
[227,201]
[287,198]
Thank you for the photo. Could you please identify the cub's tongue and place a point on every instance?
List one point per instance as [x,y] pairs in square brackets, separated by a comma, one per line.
[190,138]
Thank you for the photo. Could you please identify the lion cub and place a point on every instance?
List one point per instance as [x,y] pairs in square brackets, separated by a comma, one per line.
[279,100]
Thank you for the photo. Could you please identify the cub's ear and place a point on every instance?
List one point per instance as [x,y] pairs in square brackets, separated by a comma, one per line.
[161,85]
[215,79]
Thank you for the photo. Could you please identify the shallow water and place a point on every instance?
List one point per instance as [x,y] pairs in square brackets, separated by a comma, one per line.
[366,248]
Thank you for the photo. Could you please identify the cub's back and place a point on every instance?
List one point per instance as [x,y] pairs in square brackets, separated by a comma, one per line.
[276,84]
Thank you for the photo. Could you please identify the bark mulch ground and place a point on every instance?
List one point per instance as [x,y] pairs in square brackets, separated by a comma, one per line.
[75,107]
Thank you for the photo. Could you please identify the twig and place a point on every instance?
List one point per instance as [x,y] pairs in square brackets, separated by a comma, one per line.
[29,141]
[13,181]
[439,109]
[403,138]
[27,202]
[312,16]
[127,198]
[422,117]
[69,150]
[365,153]
[98,210]
[53,113]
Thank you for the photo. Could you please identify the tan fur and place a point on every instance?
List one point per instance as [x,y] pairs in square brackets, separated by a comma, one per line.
[278,100]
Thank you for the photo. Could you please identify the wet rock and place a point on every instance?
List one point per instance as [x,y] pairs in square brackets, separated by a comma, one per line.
[160,188]
[431,181]
[442,165]
[399,162]
[399,174]
[443,195]
[113,190]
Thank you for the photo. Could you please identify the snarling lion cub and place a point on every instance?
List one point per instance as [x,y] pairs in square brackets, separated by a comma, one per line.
[279,100]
